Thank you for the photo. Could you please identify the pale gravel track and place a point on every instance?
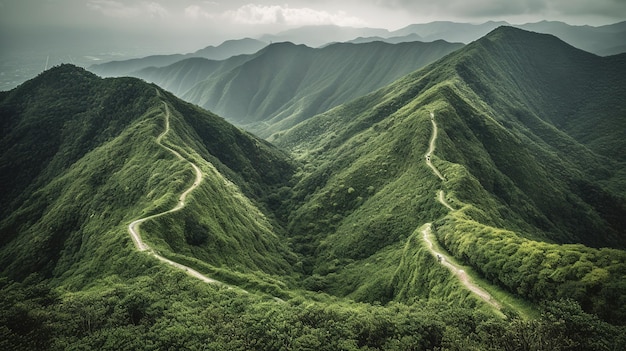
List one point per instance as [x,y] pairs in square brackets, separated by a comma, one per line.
[427,230]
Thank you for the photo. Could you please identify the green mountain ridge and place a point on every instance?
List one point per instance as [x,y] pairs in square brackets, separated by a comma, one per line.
[96,166]
[511,162]
[284,84]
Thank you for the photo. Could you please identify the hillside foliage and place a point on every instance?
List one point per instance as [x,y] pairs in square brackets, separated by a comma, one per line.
[321,227]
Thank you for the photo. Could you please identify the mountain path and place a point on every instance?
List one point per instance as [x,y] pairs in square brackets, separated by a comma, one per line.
[431,148]
[442,200]
[427,229]
[133,227]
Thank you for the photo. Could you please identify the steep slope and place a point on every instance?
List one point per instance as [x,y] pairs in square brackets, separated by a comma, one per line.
[223,51]
[80,162]
[285,83]
[181,76]
[520,165]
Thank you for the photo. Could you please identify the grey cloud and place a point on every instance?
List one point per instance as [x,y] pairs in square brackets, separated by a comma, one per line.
[486,8]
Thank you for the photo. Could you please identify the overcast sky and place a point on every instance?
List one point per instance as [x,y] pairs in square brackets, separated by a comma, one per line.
[191,24]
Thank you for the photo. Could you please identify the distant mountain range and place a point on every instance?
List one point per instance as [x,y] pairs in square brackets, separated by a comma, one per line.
[242,88]
[284,83]
[223,51]
[601,40]
[315,36]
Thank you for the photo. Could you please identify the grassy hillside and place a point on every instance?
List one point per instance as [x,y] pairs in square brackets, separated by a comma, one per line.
[330,246]
[80,162]
[518,167]
[284,83]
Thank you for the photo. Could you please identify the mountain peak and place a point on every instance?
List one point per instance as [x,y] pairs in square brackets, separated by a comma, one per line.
[508,35]
[59,76]
[509,32]
[66,68]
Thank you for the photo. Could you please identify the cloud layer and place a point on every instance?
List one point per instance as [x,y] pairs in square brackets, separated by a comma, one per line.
[276,14]
[503,8]
[187,22]
[118,9]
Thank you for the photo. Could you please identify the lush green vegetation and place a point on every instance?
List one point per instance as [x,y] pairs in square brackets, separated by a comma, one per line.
[538,270]
[168,310]
[101,168]
[325,240]
[506,157]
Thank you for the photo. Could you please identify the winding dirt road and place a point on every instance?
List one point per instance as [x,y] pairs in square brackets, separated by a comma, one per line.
[133,228]
[427,230]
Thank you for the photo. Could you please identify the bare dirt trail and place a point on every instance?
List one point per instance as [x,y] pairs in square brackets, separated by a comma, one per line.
[442,200]
[427,230]
[460,273]
[133,228]
[431,148]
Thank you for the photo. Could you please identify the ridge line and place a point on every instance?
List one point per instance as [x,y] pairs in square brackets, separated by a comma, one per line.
[427,230]
[133,227]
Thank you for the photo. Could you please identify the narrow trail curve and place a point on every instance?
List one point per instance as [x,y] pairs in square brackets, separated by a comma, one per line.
[133,228]
[442,200]
[431,148]
[427,229]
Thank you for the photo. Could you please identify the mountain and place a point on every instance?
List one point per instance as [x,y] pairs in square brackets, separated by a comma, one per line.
[449,31]
[223,51]
[531,188]
[390,40]
[284,83]
[315,36]
[79,162]
[468,205]
[181,76]
[602,40]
